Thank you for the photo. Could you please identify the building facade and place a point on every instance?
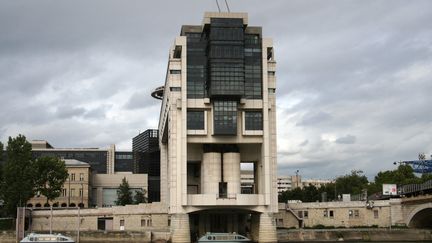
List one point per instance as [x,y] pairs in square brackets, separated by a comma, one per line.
[218,111]
[97,185]
[336,214]
[75,191]
[145,148]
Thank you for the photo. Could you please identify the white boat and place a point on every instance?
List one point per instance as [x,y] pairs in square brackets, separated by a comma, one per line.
[46,238]
[222,238]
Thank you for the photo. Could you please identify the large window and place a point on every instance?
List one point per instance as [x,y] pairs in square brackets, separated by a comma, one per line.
[253,120]
[195,120]
[225,117]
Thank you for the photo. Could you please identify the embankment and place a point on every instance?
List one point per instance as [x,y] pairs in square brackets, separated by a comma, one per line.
[357,235]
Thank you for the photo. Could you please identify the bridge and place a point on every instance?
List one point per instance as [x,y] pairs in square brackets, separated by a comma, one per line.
[414,212]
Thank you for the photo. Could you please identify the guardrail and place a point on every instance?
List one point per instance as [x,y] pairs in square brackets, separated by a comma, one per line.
[410,188]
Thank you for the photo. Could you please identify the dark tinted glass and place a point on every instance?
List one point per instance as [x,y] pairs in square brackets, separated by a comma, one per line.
[253,120]
[195,120]
[225,117]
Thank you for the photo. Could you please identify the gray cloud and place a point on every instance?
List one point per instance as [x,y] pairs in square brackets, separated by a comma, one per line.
[80,73]
[348,139]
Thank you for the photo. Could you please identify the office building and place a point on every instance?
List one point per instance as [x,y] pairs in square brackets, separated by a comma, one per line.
[218,112]
[145,148]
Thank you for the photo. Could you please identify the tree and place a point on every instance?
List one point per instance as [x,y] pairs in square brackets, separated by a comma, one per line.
[124,195]
[17,187]
[1,165]
[139,197]
[352,183]
[51,174]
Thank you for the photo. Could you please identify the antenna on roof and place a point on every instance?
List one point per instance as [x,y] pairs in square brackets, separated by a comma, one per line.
[217,3]
[226,3]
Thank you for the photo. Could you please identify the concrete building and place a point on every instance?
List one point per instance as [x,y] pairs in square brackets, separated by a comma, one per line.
[335,214]
[105,169]
[104,187]
[218,111]
[75,191]
[145,148]
[284,183]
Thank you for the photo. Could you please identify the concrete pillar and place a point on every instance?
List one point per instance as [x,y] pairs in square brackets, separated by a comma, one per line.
[210,173]
[267,228]
[231,172]
[180,231]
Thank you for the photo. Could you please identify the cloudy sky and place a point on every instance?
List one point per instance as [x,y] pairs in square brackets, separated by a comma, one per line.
[354,77]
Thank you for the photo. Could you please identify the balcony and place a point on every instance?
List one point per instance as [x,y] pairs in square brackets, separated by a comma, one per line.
[230,200]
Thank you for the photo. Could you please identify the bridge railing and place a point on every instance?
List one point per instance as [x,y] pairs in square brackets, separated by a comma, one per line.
[410,188]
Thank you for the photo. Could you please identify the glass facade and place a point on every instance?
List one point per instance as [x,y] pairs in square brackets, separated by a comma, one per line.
[225,117]
[195,120]
[226,57]
[253,120]
[224,63]
[253,67]
[96,159]
[124,162]
[196,65]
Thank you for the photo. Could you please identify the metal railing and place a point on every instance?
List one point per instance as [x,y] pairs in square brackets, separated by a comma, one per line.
[410,188]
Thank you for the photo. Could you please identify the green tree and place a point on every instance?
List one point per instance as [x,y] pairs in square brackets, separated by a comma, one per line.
[51,174]
[17,187]
[140,197]
[404,174]
[124,194]
[352,183]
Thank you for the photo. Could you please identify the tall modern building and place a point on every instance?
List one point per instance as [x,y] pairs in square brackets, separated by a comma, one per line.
[218,112]
[145,148]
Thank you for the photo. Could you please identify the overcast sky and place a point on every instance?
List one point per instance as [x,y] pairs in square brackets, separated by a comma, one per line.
[354,78]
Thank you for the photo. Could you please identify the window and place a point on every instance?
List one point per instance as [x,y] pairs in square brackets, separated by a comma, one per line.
[72,192]
[122,222]
[376,215]
[195,120]
[72,177]
[64,191]
[331,213]
[81,192]
[350,213]
[225,117]
[253,120]
[325,213]
[306,214]
[81,178]
[149,222]
[175,71]
[174,89]
[271,73]
[143,222]
[356,214]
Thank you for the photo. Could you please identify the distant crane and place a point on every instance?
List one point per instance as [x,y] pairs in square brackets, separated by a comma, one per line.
[422,165]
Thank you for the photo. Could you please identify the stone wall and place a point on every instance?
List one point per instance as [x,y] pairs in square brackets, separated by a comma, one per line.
[335,214]
[142,217]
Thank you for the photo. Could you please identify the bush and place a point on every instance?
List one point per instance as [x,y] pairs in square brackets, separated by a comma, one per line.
[7,224]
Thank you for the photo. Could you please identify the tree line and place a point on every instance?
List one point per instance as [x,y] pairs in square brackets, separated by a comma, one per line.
[22,177]
[355,183]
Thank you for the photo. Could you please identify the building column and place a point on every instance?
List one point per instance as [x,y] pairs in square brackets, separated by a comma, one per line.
[267,228]
[231,172]
[180,230]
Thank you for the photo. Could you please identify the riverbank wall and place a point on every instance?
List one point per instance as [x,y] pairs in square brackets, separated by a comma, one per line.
[284,235]
[357,235]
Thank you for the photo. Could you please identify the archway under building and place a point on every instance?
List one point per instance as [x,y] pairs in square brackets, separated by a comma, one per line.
[421,219]
[223,221]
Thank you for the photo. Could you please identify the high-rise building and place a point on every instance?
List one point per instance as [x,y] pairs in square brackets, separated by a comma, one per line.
[145,147]
[218,112]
